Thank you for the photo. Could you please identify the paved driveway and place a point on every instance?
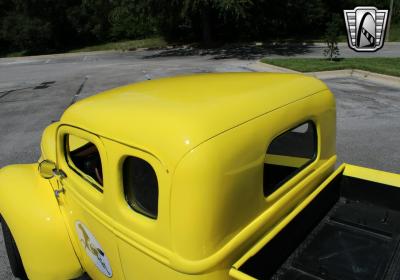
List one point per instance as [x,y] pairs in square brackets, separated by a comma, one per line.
[35,91]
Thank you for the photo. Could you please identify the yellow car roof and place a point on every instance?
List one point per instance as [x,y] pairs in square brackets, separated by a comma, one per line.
[170,116]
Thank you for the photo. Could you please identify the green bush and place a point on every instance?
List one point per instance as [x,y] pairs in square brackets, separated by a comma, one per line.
[331,38]
[25,33]
[131,20]
[38,26]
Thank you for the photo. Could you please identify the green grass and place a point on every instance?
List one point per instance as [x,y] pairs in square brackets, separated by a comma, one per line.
[14,54]
[385,65]
[156,42]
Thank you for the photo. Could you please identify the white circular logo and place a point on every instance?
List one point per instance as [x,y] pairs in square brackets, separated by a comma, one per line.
[93,249]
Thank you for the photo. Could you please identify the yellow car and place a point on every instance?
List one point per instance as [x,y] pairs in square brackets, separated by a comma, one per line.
[211,176]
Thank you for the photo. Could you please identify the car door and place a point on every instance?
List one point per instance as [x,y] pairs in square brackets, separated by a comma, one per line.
[83,189]
[141,187]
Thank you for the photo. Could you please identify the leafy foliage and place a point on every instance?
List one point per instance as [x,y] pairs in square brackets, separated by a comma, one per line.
[39,26]
[131,20]
[331,38]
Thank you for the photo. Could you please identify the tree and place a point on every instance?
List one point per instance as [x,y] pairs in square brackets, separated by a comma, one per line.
[389,20]
[197,19]
[39,26]
[131,19]
[26,33]
[331,38]
[220,8]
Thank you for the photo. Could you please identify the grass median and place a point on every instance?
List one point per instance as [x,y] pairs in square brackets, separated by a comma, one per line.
[382,65]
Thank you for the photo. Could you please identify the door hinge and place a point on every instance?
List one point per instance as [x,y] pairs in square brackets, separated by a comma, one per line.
[59,173]
[58,192]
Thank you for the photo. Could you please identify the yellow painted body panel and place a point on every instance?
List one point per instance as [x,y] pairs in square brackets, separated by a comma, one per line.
[234,272]
[286,161]
[373,175]
[169,117]
[48,145]
[363,173]
[81,202]
[206,137]
[226,173]
[28,205]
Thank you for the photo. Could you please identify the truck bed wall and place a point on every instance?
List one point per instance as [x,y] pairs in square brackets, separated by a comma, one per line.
[270,258]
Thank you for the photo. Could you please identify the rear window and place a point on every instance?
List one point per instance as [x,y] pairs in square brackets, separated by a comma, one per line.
[140,186]
[287,154]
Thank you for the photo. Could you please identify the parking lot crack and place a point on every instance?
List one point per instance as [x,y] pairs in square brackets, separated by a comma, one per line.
[78,92]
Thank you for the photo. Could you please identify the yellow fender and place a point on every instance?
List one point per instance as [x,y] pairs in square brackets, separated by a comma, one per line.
[28,205]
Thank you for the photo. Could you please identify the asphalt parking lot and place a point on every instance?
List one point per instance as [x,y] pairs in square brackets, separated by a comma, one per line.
[35,91]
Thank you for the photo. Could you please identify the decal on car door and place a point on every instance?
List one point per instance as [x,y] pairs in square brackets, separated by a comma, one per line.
[93,249]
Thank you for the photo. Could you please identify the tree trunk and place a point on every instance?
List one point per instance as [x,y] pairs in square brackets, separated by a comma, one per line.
[206,25]
[389,21]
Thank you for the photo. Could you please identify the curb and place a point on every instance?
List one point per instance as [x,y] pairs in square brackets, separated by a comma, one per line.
[261,66]
[361,74]
[376,76]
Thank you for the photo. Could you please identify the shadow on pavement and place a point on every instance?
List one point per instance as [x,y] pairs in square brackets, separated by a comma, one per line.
[244,51]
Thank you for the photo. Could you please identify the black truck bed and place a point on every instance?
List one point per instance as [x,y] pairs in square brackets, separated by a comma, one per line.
[351,230]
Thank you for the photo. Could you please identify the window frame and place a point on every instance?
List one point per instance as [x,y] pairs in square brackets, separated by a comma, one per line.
[302,167]
[71,164]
